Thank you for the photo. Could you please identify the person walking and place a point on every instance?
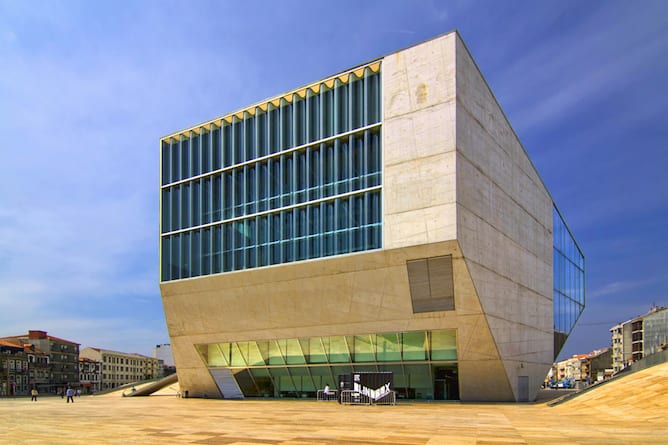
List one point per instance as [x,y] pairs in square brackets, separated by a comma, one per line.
[70,395]
[33,395]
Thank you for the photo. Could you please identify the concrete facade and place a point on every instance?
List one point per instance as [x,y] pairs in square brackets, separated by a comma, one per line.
[120,368]
[62,362]
[456,181]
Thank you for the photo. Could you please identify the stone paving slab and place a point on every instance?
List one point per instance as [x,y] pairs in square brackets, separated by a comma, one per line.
[631,411]
[170,420]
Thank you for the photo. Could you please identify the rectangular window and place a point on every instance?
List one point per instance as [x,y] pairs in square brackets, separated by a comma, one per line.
[313,110]
[186,210]
[238,140]
[299,121]
[185,158]
[314,231]
[301,235]
[239,192]
[216,149]
[263,240]
[275,241]
[165,159]
[262,140]
[166,210]
[287,165]
[206,252]
[263,186]
[251,189]
[195,167]
[175,207]
[175,165]
[249,138]
[205,149]
[196,199]
[195,253]
[216,198]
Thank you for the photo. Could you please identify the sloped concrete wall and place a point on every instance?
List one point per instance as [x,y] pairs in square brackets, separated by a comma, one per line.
[504,226]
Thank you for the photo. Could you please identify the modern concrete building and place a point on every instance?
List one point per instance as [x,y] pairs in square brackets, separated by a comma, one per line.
[385,218]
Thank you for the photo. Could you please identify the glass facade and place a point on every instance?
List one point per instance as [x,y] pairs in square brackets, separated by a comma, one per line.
[296,178]
[569,281]
[423,362]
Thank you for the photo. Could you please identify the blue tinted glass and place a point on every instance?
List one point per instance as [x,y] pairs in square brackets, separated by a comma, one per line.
[165,160]
[569,280]
[219,217]
[195,153]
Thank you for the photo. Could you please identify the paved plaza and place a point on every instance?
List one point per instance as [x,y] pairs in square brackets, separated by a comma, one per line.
[630,411]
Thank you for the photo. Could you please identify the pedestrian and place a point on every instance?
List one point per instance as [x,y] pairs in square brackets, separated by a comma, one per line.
[78,392]
[70,395]
[33,395]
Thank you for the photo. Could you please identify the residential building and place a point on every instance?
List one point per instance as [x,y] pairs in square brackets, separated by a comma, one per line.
[572,368]
[619,353]
[121,368]
[384,218]
[90,375]
[63,359]
[600,364]
[640,336]
[585,368]
[14,374]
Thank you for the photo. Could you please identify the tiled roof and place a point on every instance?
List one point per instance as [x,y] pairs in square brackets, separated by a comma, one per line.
[50,337]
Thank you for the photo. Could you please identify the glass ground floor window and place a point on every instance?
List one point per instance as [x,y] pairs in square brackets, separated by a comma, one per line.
[423,363]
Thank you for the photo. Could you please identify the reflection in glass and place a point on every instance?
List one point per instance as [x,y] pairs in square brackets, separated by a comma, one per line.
[322,176]
[299,367]
[569,281]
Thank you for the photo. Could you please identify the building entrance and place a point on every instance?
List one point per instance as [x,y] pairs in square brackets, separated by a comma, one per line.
[446,383]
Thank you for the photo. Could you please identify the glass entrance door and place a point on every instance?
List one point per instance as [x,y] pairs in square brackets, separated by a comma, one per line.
[446,382]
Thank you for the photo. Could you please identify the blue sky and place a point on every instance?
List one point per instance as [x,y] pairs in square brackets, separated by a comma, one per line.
[87,89]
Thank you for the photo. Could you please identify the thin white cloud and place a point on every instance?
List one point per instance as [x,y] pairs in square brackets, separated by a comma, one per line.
[627,287]
[604,54]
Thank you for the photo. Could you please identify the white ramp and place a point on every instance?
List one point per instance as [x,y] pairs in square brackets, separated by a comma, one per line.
[227,384]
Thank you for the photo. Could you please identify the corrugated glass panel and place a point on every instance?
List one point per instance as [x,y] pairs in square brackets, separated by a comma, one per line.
[311,157]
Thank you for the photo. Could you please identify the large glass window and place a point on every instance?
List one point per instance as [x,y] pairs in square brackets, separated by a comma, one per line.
[298,367]
[311,159]
[569,281]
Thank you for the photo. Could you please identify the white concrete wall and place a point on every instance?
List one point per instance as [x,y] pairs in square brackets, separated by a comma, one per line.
[419,144]
[504,226]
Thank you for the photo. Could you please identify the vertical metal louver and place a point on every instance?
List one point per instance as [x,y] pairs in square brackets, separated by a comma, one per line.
[431,284]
